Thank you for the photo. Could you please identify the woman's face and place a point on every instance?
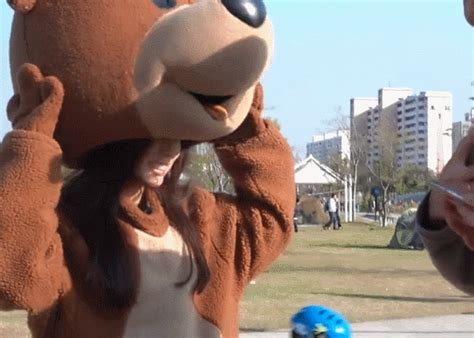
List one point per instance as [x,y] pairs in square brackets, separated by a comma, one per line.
[156,161]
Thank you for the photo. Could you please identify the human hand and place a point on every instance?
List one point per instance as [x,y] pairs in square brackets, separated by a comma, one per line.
[458,174]
[37,105]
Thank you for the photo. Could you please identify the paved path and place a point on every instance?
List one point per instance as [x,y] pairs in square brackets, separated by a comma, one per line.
[455,326]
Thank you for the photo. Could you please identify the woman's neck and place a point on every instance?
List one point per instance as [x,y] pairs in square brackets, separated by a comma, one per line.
[134,189]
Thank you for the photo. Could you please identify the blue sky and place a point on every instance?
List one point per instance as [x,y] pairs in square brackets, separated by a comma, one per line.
[327,52]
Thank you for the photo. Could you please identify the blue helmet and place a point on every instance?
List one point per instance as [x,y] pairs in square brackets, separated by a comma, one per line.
[318,321]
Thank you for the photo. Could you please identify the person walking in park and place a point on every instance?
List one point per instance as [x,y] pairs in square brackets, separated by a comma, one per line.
[338,217]
[332,209]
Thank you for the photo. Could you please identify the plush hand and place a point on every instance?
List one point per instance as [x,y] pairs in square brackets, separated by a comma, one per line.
[252,124]
[37,105]
[459,175]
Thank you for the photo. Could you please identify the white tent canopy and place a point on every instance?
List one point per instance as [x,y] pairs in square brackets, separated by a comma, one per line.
[311,171]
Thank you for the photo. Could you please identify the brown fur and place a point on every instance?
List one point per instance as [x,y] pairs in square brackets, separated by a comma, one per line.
[469,11]
[105,54]
[88,73]
[313,210]
[241,235]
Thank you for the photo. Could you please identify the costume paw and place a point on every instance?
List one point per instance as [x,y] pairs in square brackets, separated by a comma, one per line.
[37,105]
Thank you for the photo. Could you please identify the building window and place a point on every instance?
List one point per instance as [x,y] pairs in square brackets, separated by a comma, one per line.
[432,107]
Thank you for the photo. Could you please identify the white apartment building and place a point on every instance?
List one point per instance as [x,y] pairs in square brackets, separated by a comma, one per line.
[325,146]
[423,123]
[461,128]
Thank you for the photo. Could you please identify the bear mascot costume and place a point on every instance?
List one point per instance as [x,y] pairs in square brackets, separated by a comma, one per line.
[95,84]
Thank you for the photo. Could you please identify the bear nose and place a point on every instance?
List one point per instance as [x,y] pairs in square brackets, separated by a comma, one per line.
[252,12]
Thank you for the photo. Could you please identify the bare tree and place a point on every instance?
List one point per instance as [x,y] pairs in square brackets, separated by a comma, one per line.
[356,132]
[206,170]
[383,164]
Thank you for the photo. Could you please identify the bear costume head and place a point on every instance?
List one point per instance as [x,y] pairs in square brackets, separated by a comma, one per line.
[144,68]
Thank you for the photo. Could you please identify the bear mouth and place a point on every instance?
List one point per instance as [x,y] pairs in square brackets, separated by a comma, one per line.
[213,105]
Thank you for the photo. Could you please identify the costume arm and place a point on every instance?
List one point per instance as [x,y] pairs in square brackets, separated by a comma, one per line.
[453,259]
[248,231]
[32,269]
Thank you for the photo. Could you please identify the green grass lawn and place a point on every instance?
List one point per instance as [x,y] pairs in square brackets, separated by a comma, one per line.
[351,271]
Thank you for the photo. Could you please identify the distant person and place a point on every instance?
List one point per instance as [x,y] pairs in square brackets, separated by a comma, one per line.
[295,216]
[332,209]
[372,206]
[325,203]
[338,218]
[378,209]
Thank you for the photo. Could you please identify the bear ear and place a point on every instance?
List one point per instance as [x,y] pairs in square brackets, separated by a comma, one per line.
[22,6]
[469,11]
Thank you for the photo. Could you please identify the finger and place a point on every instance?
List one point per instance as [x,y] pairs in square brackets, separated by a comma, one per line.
[44,117]
[466,233]
[456,221]
[29,76]
[257,102]
[469,196]
[456,171]
[52,94]
[51,86]
[12,107]
[465,147]
[465,213]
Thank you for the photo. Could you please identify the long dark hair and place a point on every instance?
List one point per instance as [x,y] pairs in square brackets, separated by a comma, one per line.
[90,199]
